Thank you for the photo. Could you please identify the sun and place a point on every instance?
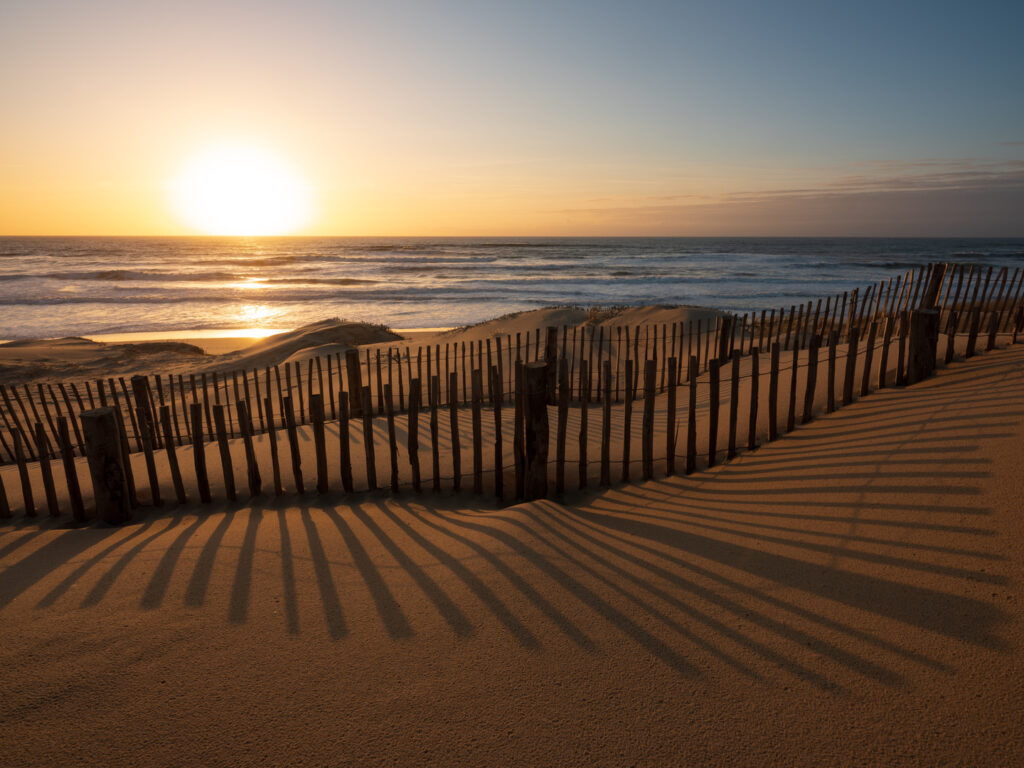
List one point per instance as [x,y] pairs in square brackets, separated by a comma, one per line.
[241,190]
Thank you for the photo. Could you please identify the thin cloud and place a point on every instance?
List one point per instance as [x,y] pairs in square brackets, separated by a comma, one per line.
[968,202]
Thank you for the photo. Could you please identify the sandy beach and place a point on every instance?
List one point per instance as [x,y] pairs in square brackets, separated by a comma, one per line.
[846,596]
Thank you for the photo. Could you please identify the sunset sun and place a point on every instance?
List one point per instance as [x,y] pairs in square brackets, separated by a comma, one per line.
[241,190]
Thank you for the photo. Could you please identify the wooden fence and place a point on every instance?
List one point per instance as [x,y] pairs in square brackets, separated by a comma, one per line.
[550,381]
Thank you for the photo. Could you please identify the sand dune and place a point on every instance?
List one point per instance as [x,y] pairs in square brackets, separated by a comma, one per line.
[324,337]
[77,359]
[847,595]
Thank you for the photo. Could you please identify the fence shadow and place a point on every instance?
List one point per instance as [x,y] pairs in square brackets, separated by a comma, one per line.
[836,551]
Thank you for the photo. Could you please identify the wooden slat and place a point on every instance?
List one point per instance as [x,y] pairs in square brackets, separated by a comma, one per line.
[146,435]
[951,324]
[129,475]
[453,427]
[901,357]
[714,404]
[435,448]
[275,464]
[344,442]
[28,498]
[755,382]
[413,433]
[606,425]
[850,368]
[773,392]
[583,439]
[316,419]
[691,416]
[291,429]
[172,455]
[535,416]
[499,470]
[869,354]
[46,471]
[647,424]
[794,370]
[368,439]
[226,465]
[198,451]
[67,455]
[833,341]
[883,364]
[734,401]
[389,413]
[812,377]
[478,448]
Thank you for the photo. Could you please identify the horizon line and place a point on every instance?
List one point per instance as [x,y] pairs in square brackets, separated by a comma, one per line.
[545,236]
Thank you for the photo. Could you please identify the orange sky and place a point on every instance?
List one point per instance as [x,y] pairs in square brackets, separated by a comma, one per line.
[475,119]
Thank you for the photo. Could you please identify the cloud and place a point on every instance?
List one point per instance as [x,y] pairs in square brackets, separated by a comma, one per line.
[966,199]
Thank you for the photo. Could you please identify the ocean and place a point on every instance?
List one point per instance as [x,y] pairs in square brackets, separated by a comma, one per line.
[76,286]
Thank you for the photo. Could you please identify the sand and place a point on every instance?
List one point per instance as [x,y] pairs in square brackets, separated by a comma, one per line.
[75,358]
[847,595]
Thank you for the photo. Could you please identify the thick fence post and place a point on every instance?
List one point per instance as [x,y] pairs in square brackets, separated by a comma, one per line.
[106,465]
[355,383]
[924,337]
[535,411]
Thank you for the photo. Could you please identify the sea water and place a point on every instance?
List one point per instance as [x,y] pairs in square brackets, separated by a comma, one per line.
[73,286]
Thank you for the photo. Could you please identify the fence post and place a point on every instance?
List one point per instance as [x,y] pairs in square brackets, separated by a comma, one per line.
[812,377]
[199,451]
[691,416]
[536,422]
[355,383]
[551,360]
[755,383]
[924,337]
[413,433]
[172,456]
[627,416]
[725,337]
[453,427]
[647,425]
[993,329]
[106,465]
[972,335]
[850,368]
[563,417]
[714,401]
[773,392]
[316,418]
[227,468]
[67,454]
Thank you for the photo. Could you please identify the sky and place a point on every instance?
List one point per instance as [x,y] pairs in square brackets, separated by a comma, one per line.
[562,117]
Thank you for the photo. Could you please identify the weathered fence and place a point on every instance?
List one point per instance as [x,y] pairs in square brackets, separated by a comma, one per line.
[550,382]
